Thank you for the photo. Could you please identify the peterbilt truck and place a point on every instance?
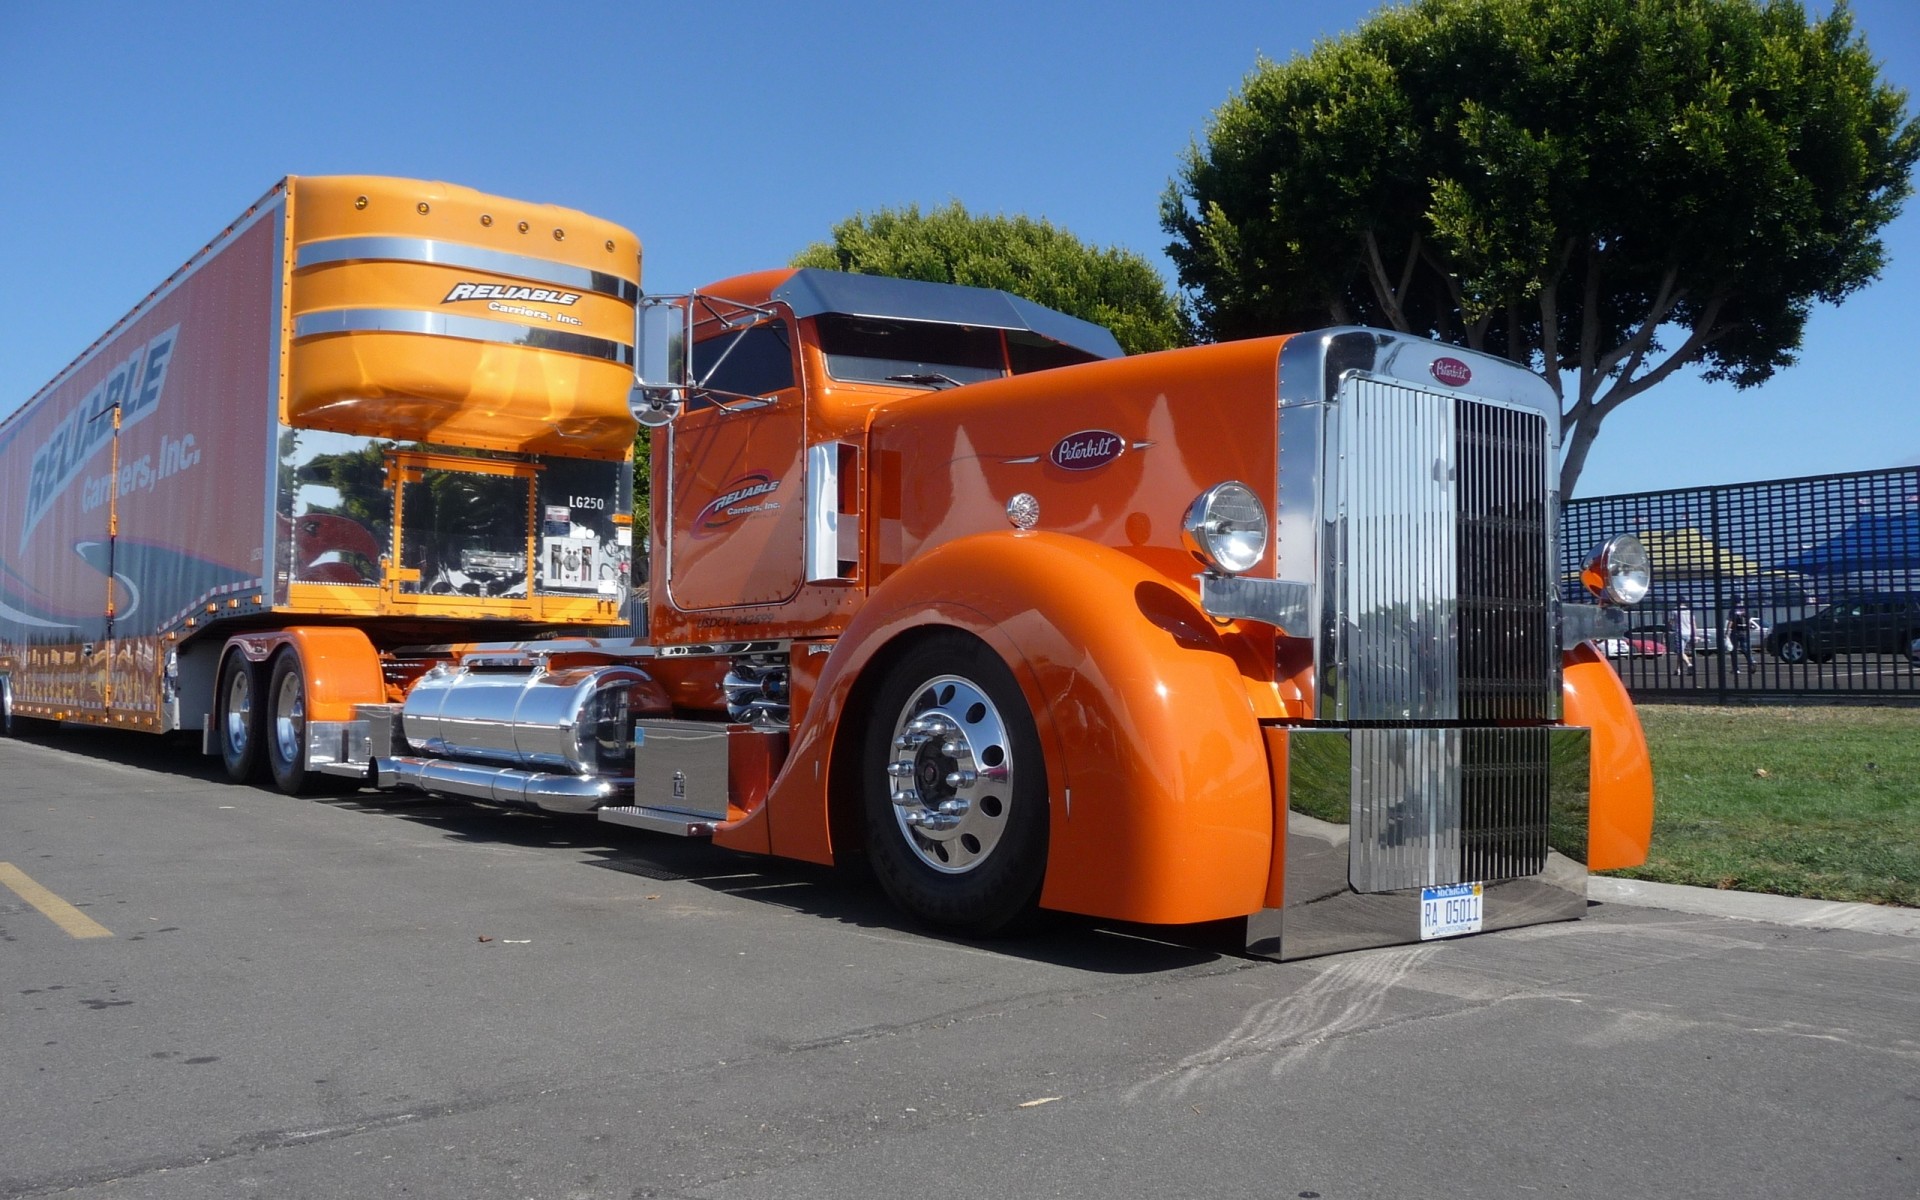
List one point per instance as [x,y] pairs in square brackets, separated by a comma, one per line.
[1268,637]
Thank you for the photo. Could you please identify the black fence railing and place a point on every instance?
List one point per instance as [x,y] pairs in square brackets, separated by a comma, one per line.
[1792,586]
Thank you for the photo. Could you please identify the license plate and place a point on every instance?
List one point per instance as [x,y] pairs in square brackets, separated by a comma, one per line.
[1451,910]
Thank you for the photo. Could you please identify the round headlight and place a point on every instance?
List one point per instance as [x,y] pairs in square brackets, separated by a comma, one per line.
[1618,571]
[1226,528]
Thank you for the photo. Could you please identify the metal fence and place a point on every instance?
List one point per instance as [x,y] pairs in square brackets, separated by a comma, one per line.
[1788,587]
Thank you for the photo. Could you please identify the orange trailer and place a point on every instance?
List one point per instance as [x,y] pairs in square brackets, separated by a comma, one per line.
[373,412]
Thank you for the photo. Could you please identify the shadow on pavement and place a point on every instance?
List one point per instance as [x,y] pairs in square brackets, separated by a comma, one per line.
[844,895]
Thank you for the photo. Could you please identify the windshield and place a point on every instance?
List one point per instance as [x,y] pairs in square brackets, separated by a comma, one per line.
[912,353]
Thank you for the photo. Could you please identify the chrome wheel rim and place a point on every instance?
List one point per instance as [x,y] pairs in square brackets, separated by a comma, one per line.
[289,719]
[1792,652]
[950,775]
[239,711]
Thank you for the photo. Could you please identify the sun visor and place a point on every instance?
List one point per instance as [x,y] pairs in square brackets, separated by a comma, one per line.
[809,292]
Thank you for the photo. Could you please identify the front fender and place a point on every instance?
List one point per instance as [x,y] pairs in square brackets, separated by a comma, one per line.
[1620,800]
[1160,799]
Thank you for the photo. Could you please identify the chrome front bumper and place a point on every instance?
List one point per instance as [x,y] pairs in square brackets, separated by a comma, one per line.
[1374,815]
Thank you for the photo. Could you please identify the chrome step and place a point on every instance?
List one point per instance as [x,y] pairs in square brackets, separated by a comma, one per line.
[659,820]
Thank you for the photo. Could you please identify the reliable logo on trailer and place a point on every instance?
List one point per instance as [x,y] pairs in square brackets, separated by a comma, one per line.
[1451,371]
[743,498]
[133,386]
[501,291]
[1087,450]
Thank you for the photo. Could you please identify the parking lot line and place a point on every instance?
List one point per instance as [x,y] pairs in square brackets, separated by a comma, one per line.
[65,915]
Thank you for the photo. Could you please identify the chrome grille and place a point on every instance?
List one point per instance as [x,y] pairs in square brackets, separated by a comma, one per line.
[1434,806]
[1505,788]
[1406,809]
[1506,659]
[1438,593]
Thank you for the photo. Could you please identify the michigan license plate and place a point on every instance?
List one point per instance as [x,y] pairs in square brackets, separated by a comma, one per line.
[1451,910]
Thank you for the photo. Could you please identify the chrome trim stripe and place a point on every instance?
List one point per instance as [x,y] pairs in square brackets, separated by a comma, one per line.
[473,329]
[457,254]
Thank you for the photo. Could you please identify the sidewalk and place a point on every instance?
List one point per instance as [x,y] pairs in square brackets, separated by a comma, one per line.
[1756,906]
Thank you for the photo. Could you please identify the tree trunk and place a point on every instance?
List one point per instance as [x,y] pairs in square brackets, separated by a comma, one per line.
[1579,443]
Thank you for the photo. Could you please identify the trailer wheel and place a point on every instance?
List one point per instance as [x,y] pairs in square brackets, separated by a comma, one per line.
[955,788]
[286,727]
[240,718]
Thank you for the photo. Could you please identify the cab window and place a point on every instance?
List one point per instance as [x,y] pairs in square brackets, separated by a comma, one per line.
[908,353]
[754,362]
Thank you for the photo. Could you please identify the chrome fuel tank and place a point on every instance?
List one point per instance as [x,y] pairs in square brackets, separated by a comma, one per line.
[576,719]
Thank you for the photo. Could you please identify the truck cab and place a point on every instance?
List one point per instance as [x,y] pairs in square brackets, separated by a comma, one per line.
[1266,632]
[759,504]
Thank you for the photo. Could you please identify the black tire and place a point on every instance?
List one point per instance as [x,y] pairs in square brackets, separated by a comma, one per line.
[240,719]
[285,731]
[970,856]
[1792,650]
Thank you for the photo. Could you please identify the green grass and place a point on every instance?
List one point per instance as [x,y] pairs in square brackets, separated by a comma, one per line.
[1816,802]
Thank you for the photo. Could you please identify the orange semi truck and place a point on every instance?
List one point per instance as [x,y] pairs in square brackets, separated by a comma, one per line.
[1268,635]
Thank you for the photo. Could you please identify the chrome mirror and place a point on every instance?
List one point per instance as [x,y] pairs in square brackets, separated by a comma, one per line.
[661,336]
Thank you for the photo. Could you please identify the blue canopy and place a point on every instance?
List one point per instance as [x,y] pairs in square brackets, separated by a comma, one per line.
[1873,543]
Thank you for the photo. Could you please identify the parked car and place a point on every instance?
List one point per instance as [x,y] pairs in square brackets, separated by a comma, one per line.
[1634,645]
[1877,623]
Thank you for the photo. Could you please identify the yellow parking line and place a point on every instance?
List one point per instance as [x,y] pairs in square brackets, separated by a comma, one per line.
[65,915]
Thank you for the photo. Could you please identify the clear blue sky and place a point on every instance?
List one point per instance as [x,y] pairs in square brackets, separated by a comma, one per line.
[730,135]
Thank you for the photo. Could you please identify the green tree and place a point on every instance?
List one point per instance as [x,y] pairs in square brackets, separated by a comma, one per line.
[1033,259]
[1604,190]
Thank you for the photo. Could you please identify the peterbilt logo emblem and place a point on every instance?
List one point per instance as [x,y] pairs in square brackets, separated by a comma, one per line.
[1086,450]
[1451,371]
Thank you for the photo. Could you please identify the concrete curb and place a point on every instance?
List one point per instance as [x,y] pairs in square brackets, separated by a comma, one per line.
[1756,906]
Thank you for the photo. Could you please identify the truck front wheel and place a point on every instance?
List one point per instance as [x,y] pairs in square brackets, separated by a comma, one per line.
[240,718]
[955,788]
[287,725]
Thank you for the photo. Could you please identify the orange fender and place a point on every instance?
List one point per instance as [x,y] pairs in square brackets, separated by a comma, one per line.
[1160,799]
[1620,819]
[340,666]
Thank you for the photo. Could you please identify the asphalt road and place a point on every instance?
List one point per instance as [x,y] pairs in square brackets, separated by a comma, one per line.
[362,996]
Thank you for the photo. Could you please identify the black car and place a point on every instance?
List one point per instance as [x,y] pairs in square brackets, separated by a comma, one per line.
[1880,623]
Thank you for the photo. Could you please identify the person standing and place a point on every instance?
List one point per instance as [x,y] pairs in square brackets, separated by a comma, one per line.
[1680,634]
[1740,633]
